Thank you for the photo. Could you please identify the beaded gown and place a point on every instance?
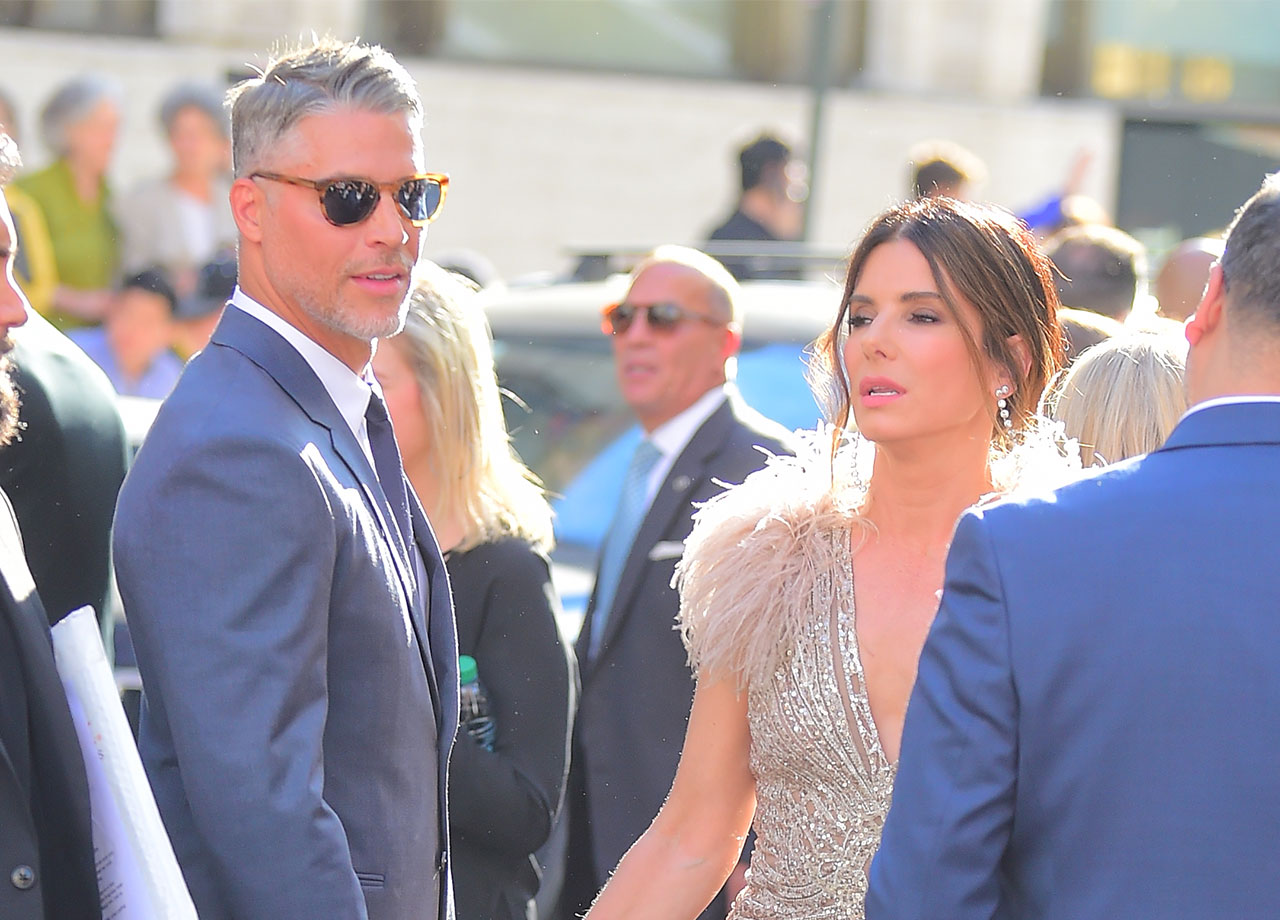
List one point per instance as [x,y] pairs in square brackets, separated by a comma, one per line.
[767,597]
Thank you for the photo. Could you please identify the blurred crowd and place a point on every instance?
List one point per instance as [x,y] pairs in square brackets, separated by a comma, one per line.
[139,276]
[138,279]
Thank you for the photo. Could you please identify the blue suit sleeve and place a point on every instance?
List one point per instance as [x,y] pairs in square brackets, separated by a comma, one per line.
[952,811]
[226,559]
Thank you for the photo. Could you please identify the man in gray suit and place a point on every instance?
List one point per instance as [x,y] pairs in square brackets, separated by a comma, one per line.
[287,598]
[673,336]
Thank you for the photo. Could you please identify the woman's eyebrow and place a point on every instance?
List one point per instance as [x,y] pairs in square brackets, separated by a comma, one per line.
[908,296]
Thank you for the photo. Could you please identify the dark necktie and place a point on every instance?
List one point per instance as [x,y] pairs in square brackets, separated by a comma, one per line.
[386,461]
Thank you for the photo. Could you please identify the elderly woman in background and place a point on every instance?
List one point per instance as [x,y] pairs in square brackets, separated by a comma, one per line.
[1123,396]
[493,521]
[179,222]
[78,124]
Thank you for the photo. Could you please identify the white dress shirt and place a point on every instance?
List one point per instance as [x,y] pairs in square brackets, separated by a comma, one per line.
[674,435]
[349,391]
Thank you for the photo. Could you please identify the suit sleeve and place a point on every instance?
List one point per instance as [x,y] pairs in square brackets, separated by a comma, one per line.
[225,560]
[952,811]
[505,800]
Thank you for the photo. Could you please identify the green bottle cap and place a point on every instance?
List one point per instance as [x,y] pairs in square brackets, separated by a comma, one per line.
[467,670]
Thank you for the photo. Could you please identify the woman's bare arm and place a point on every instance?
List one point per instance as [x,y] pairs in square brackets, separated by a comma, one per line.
[675,869]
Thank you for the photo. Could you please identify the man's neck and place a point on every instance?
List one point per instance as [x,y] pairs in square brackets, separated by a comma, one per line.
[354,353]
[757,203]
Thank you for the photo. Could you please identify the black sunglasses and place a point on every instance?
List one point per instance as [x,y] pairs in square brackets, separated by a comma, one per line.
[349,200]
[661,317]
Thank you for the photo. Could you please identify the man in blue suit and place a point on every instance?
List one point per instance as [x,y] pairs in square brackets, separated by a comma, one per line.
[1093,732]
[286,596]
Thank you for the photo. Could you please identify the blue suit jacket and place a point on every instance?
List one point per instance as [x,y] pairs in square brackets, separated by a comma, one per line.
[299,706]
[1095,729]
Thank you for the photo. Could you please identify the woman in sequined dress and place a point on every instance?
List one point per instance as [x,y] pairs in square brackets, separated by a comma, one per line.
[807,591]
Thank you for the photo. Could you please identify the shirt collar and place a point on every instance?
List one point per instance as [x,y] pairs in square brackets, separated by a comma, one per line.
[674,434]
[1229,401]
[349,391]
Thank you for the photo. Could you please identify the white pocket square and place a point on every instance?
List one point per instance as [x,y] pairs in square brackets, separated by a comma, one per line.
[666,549]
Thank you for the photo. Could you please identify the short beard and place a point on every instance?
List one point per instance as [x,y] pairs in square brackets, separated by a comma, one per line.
[10,424]
[342,319]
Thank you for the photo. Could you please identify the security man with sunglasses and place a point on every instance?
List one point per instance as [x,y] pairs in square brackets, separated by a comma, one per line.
[286,596]
[673,336]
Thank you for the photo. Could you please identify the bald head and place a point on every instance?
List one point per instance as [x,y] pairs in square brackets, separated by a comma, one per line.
[1181,279]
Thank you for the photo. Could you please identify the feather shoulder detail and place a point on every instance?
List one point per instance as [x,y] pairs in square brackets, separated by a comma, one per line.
[756,552]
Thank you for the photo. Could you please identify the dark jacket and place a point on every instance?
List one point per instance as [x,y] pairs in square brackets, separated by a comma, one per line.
[638,690]
[64,471]
[502,803]
[46,843]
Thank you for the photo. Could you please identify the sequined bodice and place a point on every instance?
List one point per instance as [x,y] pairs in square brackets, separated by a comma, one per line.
[823,783]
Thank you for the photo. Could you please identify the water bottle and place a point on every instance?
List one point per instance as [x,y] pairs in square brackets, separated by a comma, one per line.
[474,704]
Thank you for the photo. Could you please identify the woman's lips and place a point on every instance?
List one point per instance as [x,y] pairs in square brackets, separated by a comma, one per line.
[879,391]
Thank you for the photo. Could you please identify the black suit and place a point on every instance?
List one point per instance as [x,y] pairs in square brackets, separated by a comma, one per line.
[503,803]
[46,845]
[64,472]
[637,691]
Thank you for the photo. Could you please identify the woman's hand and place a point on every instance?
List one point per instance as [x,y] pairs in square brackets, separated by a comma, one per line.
[675,869]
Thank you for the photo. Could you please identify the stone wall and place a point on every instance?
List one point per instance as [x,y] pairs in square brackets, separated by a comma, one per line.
[542,159]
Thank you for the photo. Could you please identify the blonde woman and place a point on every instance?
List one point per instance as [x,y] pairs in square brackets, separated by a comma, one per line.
[1123,396]
[494,525]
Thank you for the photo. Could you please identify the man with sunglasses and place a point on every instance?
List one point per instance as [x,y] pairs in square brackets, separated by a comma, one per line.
[286,597]
[673,337]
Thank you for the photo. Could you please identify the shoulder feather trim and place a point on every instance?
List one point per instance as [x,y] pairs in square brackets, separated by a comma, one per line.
[756,551]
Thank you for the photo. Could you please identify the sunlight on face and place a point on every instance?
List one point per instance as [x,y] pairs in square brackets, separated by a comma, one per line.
[909,367]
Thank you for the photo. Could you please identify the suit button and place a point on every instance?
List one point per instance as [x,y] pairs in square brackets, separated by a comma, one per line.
[23,877]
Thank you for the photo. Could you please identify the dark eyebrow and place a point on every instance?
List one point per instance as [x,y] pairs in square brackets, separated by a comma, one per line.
[909,296]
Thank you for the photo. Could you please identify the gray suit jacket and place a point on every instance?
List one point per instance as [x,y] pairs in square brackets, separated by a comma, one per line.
[638,690]
[299,707]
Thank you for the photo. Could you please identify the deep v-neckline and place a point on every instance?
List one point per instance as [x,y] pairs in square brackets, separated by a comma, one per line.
[876,750]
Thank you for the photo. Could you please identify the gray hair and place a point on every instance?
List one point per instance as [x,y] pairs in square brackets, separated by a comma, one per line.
[10,159]
[194,96]
[1251,260]
[325,76]
[70,103]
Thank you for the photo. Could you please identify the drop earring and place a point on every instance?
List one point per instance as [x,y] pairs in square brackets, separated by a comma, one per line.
[1002,402]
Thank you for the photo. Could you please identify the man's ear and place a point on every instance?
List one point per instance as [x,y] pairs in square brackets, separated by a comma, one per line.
[732,341]
[247,202]
[1208,314]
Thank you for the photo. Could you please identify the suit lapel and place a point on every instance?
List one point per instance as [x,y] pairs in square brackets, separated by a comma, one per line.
[266,348]
[670,501]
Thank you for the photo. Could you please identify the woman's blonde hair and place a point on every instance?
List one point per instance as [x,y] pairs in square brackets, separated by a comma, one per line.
[1123,396]
[481,480]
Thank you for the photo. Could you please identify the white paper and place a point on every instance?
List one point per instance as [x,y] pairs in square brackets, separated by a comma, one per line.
[138,875]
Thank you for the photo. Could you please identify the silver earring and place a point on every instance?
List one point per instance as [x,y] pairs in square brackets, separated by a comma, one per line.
[1002,401]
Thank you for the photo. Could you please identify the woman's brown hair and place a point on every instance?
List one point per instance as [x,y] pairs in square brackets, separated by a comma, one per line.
[986,257]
